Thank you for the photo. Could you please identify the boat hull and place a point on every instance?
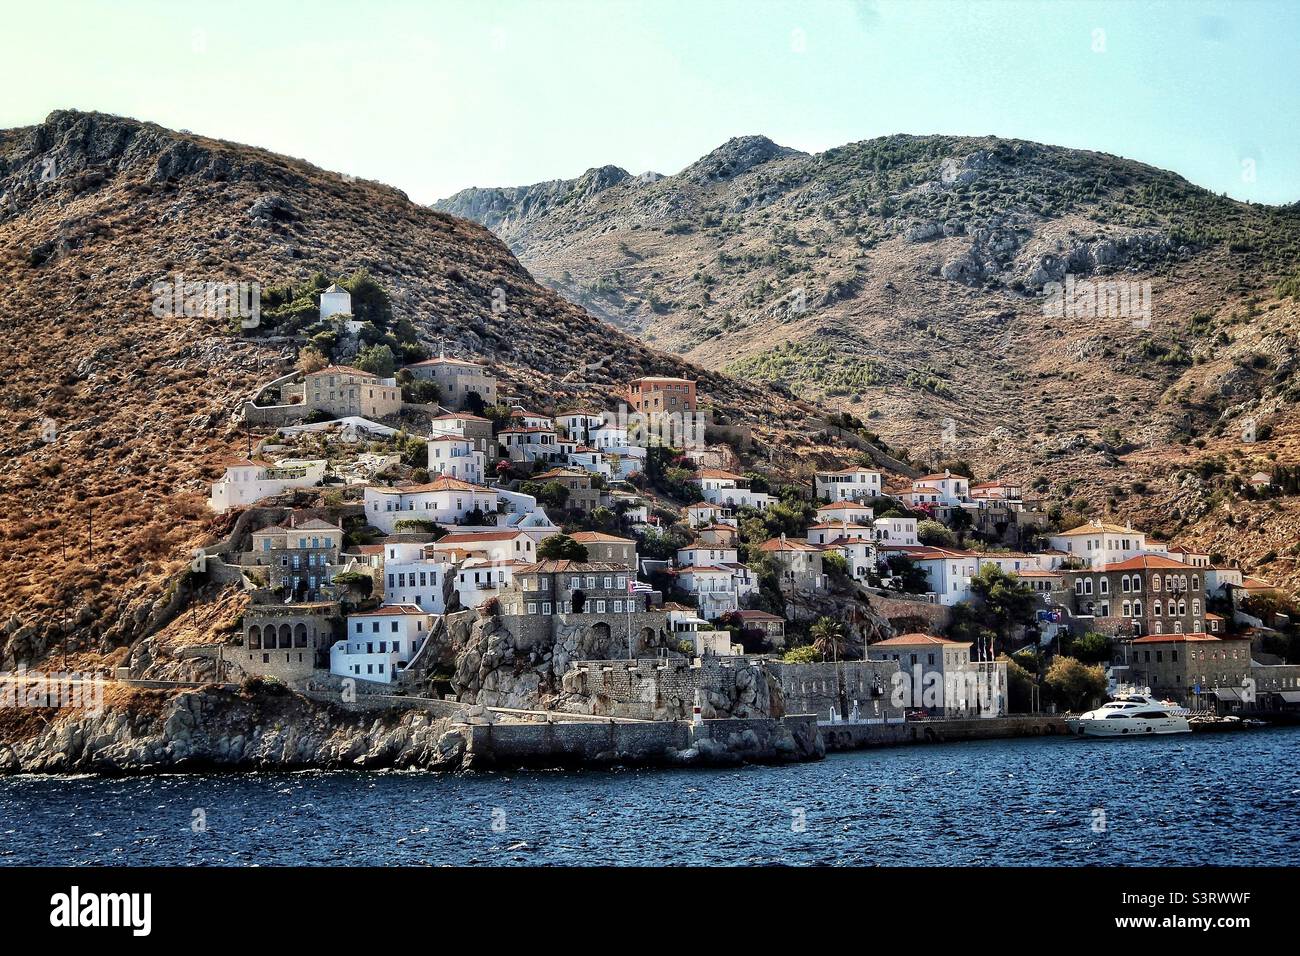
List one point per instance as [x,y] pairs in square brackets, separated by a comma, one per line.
[1134,728]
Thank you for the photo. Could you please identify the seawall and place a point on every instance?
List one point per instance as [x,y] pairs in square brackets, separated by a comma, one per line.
[848,736]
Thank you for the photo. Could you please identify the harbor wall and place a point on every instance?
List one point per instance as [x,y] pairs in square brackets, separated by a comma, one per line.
[850,736]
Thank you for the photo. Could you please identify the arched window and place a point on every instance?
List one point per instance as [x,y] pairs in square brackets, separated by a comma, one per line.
[1155,582]
[1196,582]
[1196,607]
[1123,585]
[1157,608]
[1137,608]
[1103,586]
[255,638]
[1137,583]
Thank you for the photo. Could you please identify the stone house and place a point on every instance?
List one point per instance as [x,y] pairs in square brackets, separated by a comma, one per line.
[1186,665]
[299,556]
[607,548]
[798,564]
[459,381]
[571,587]
[341,391]
[287,641]
[1147,594]
[584,494]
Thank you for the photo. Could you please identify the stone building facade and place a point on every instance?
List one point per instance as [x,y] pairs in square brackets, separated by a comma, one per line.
[1147,594]
[1175,665]
[287,641]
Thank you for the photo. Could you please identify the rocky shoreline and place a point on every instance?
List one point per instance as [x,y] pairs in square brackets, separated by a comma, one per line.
[218,728]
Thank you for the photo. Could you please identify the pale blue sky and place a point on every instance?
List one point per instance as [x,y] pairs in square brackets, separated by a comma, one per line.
[435,96]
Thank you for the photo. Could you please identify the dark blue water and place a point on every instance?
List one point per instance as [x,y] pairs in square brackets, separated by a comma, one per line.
[1219,799]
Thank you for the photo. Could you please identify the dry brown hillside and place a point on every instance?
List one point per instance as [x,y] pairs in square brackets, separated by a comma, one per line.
[115,420]
[923,263]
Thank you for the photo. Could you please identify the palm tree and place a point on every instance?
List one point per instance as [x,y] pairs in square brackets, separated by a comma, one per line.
[828,638]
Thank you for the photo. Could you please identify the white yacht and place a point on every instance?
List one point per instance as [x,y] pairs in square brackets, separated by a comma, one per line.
[1133,715]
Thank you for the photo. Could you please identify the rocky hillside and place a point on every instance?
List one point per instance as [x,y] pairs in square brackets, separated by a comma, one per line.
[906,280]
[116,419]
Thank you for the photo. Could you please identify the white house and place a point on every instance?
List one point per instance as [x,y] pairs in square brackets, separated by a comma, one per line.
[520,418]
[725,488]
[944,489]
[948,573]
[415,577]
[1097,544]
[456,457]
[478,580]
[509,544]
[579,425]
[443,500]
[590,459]
[380,642]
[248,481]
[849,484]
[712,586]
[858,553]
[851,511]
[895,530]
[707,513]
[826,532]
[523,443]
[704,554]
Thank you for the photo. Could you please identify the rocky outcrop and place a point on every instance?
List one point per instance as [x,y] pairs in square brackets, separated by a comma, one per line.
[851,607]
[266,728]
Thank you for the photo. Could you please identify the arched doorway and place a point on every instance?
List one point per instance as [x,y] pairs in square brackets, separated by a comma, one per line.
[255,638]
[286,636]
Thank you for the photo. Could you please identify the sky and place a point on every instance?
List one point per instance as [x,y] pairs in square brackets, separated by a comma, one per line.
[435,96]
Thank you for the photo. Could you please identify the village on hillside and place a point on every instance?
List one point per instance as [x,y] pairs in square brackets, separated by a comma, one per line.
[381,509]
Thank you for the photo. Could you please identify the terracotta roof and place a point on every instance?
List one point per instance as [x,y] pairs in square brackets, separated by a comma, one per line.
[552,566]
[758,616]
[564,473]
[1147,562]
[1101,528]
[661,378]
[440,484]
[700,568]
[941,477]
[460,438]
[845,506]
[716,473]
[583,537]
[912,640]
[776,544]
[1176,638]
